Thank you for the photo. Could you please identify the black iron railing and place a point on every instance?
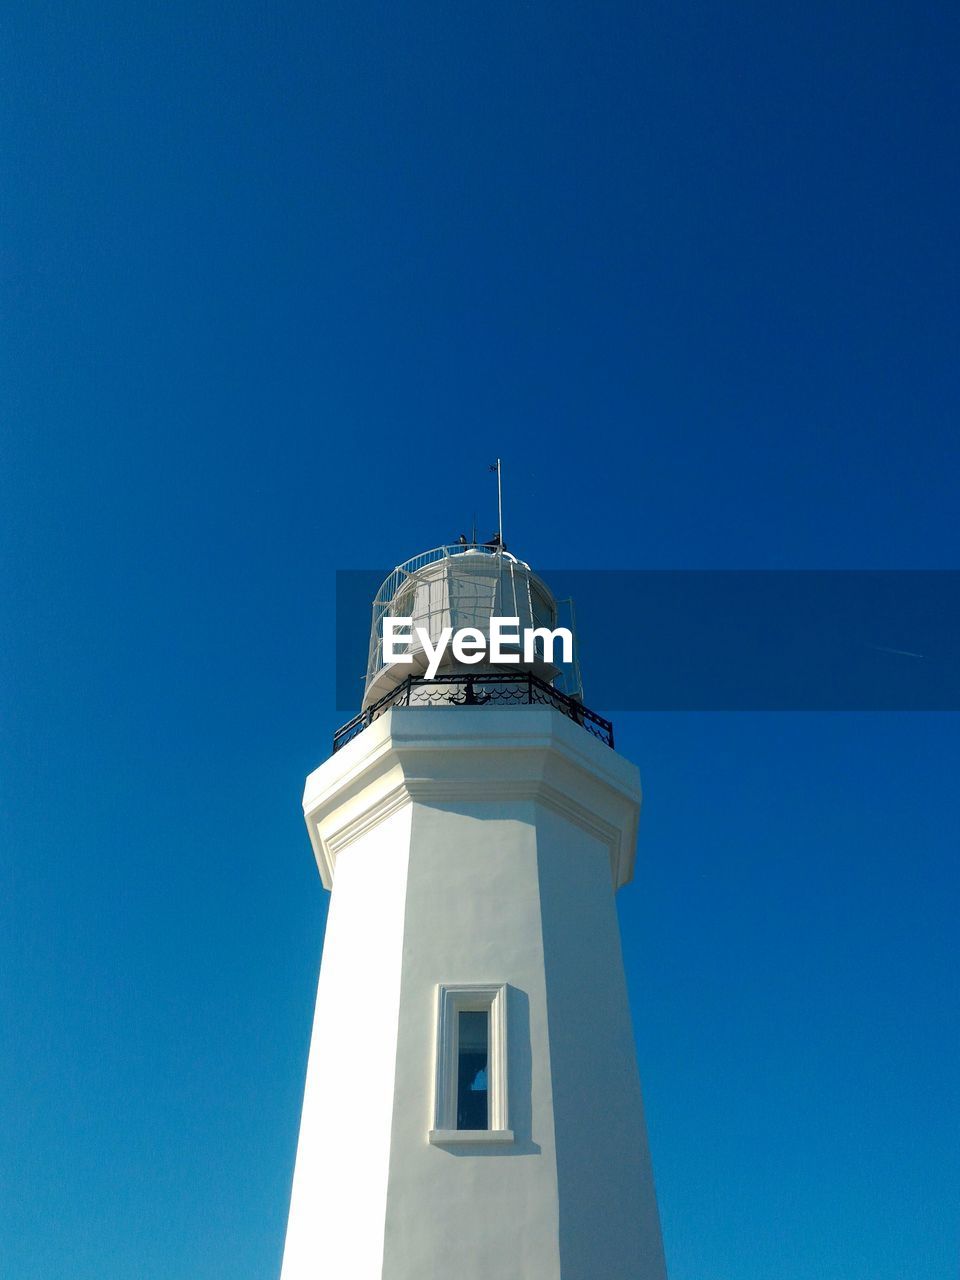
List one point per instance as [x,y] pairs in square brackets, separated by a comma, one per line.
[488,688]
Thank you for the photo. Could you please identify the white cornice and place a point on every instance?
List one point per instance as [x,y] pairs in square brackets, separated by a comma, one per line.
[474,757]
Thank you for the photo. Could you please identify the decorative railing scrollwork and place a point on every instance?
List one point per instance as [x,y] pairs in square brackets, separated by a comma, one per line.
[484,689]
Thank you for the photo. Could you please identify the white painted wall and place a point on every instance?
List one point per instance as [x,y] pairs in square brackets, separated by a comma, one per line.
[609,1222]
[473,846]
[335,1227]
[473,915]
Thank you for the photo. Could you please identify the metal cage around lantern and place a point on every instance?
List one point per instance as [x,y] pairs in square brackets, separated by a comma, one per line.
[465,585]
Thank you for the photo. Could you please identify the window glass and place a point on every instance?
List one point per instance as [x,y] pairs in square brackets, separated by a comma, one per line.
[473,1039]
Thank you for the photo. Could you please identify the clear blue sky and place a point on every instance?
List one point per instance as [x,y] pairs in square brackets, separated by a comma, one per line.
[277,284]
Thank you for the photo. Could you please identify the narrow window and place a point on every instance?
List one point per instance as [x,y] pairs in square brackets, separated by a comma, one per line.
[473,1045]
[471,1068]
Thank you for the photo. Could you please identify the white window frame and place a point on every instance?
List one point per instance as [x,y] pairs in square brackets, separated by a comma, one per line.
[451,1002]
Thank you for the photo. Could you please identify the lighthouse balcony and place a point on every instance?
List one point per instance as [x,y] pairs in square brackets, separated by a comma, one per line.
[460,689]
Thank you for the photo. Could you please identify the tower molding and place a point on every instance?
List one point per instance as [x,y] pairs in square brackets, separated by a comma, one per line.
[497,755]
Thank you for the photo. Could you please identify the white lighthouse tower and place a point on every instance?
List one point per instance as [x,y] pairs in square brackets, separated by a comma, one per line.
[472,1107]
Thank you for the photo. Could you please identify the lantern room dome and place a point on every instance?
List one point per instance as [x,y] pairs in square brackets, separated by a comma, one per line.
[458,586]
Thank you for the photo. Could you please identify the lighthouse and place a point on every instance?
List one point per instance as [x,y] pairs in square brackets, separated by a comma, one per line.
[472,1108]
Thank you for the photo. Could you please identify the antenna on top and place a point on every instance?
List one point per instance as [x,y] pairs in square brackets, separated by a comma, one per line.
[495,466]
